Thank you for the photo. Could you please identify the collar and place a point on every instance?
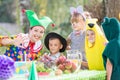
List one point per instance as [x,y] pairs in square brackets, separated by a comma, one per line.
[78,32]
[34,47]
[55,56]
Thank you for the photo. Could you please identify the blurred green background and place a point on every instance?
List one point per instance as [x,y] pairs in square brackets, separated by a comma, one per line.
[12,21]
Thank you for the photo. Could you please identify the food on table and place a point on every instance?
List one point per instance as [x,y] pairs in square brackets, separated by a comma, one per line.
[66,65]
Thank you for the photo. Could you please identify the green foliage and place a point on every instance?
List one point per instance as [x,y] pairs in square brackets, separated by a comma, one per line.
[57,10]
[6,9]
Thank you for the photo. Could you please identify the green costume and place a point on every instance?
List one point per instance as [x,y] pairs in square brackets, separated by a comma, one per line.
[111,27]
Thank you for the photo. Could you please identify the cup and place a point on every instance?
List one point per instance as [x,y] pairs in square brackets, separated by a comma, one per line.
[75,56]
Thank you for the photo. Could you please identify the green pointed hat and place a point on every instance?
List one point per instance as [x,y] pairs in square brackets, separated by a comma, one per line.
[33,72]
[35,21]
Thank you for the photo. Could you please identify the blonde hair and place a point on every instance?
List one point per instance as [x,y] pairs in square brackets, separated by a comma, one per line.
[76,17]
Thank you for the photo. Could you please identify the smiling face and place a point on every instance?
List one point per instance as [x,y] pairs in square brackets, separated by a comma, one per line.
[36,33]
[90,36]
[77,22]
[55,45]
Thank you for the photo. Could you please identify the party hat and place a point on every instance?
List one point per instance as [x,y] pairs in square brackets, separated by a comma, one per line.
[33,72]
[35,21]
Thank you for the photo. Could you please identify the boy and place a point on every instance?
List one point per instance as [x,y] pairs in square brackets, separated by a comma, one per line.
[56,44]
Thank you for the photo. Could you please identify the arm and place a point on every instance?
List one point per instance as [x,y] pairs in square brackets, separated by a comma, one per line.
[109,69]
[17,41]
[68,42]
[0,41]
[84,64]
[7,41]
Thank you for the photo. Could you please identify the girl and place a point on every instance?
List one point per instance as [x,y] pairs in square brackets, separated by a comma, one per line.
[76,39]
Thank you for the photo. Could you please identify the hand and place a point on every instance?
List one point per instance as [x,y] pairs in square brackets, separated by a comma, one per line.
[47,57]
[109,67]
[21,41]
[68,48]
[84,64]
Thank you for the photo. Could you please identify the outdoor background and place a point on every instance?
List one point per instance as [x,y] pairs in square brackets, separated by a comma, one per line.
[12,21]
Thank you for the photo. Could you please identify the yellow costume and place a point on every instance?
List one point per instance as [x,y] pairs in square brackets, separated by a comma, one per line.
[94,51]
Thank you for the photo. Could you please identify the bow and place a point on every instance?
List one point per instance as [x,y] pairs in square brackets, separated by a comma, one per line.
[79,9]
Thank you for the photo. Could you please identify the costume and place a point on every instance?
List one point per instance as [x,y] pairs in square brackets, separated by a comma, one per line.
[77,38]
[32,50]
[111,27]
[94,50]
[78,42]
[79,10]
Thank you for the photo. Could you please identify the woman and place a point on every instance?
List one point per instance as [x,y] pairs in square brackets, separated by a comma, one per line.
[27,45]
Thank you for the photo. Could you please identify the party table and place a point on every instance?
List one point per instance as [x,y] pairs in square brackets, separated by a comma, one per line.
[80,75]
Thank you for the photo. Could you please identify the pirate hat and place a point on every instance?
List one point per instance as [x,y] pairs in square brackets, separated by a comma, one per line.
[55,35]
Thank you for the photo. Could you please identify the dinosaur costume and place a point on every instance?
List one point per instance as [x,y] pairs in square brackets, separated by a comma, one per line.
[94,51]
[111,27]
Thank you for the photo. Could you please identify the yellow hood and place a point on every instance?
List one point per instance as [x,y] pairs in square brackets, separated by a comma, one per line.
[94,51]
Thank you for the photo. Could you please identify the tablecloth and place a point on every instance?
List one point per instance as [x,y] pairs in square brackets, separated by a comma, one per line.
[22,72]
[81,75]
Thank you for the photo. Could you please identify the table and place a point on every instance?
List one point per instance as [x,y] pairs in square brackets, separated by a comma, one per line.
[22,71]
[81,75]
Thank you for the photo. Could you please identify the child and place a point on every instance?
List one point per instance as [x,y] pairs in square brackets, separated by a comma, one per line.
[111,54]
[90,35]
[76,39]
[94,45]
[27,44]
[55,44]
